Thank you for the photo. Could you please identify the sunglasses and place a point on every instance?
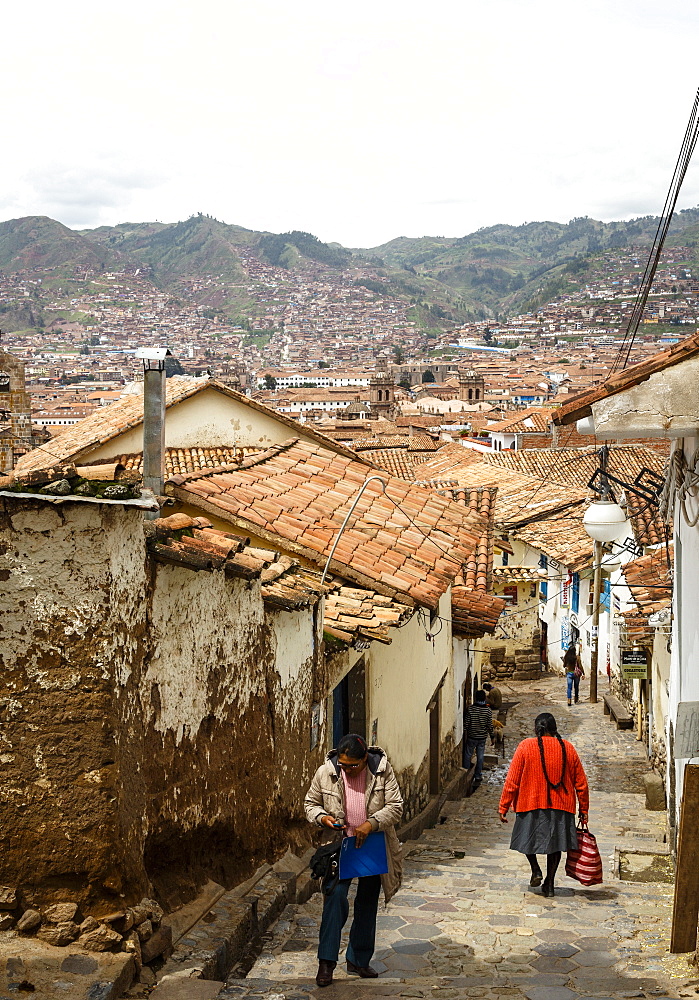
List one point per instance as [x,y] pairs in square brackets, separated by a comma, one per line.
[350,767]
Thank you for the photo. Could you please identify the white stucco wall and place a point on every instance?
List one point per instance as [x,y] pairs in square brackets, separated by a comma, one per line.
[209,419]
[401,679]
[684,676]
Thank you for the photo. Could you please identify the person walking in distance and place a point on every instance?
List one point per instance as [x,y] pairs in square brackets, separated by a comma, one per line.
[544,779]
[573,667]
[493,696]
[356,791]
[478,726]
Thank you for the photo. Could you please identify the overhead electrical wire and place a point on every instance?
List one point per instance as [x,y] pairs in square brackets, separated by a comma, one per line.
[688,143]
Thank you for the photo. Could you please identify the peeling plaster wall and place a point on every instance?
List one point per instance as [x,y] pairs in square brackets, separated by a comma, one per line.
[154,721]
[666,405]
[227,690]
[72,619]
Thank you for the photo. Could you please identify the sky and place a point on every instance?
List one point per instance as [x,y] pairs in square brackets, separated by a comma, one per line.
[357,122]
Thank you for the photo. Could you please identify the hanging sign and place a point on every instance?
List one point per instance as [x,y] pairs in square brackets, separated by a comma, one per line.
[634,664]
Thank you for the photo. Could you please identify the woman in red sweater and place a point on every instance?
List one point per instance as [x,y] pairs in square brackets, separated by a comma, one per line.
[541,786]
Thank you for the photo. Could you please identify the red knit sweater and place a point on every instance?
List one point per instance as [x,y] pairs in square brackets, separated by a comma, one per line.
[525,785]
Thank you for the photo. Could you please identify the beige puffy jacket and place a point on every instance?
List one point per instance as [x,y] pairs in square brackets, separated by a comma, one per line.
[384,806]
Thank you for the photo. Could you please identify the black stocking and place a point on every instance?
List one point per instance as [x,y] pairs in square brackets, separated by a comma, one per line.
[536,870]
[552,862]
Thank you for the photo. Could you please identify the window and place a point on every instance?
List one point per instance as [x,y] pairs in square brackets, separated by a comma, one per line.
[505,558]
[575,605]
[543,586]
[606,595]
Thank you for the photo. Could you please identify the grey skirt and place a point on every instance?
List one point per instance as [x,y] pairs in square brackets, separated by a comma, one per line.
[544,831]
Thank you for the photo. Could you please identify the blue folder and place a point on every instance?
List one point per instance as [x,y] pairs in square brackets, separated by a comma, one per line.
[369,859]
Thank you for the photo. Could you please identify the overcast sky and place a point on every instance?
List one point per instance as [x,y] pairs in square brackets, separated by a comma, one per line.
[358,122]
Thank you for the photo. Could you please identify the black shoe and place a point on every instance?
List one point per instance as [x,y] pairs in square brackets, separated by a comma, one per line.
[548,890]
[364,971]
[536,879]
[577,700]
[324,976]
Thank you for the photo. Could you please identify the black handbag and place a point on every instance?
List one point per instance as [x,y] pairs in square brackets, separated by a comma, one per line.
[325,865]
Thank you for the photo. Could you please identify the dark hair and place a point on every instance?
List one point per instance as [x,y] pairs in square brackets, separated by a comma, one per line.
[353,745]
[545,725]
[570,657]
[480,697]
[487,687]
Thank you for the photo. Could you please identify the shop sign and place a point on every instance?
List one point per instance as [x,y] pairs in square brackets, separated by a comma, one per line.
[634,664]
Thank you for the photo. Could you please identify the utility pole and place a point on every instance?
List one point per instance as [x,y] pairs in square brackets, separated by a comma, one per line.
[596,595]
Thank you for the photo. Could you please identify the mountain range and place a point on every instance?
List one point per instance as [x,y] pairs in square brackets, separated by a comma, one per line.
[490,273]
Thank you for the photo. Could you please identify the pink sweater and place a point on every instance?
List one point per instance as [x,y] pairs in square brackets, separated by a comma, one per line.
[355,800]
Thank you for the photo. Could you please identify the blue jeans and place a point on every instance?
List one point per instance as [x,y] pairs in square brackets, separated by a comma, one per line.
[363,930]
[573,682]
[479,747]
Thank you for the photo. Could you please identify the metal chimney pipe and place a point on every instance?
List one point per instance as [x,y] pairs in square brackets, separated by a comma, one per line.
[154,417]
[154,429]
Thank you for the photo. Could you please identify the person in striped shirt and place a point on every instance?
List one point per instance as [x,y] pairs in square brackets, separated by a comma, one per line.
[478,726]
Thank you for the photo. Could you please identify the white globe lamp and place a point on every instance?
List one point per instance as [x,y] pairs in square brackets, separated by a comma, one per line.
[604,520]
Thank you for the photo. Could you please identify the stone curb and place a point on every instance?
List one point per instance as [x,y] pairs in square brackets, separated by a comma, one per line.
[209,950]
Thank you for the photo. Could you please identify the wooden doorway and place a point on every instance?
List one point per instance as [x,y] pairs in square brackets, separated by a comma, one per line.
[349,703]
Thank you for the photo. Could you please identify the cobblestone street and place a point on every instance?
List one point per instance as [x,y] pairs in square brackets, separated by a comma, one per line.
[467,924]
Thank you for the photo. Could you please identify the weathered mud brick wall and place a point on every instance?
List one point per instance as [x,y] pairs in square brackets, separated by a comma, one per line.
[222,711]
[72,624]
[154,721]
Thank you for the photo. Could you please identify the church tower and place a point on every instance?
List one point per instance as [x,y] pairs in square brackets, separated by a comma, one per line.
[16,427]
[471,388]
[382,395]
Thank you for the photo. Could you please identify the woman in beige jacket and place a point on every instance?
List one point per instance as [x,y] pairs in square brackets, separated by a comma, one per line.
[355,790]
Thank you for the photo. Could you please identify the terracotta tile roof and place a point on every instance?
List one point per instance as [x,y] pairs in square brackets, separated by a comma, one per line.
[581,404]
[474,613]
[181,460]
[352,613]
[393,460]
[297,495]
[418,442]
[107,422]
[193,542]
[531,421]
[560,535]
[520,498]
[516,574]
[649,528]
[446,462]
[576,466]
[650,581]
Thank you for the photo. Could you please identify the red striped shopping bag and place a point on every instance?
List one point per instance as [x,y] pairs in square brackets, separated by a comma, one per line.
[585,863]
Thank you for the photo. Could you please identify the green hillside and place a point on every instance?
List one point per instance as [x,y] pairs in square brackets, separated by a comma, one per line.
[501,269]
[495,272]
[40,242]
